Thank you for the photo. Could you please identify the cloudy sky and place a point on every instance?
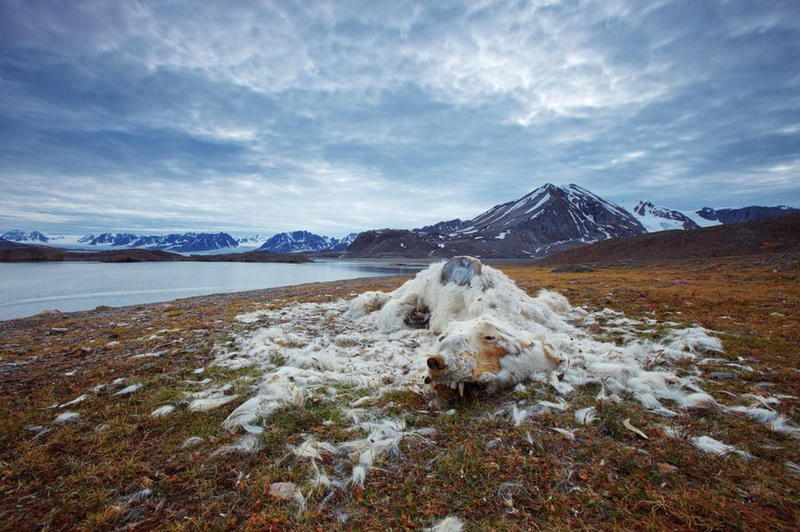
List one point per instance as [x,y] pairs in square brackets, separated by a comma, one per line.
[156,116]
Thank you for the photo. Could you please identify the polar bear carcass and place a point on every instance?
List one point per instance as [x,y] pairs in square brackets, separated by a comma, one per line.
[488,331]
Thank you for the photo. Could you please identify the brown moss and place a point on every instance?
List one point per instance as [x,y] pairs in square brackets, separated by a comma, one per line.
[477,465]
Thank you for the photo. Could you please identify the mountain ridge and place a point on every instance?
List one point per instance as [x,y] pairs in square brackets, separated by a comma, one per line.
[180,242]
[303,241]
[547,219]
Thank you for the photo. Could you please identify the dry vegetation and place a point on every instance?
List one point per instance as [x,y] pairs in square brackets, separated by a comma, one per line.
[477,466]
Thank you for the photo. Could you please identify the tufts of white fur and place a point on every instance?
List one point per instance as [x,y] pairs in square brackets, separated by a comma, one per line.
[314,449]
[712,446]
[585,416]
[706,444]
[699,400]
[135,497]
[163,411]
[66,417]
[75,401]
[448,524]
[247,444]
[321,478]
[383,437]
[567,433]
[768,417]
[129,389]
[324,350]
[192,441]
[251,317]
[365,344]
[518,416]
[210,403]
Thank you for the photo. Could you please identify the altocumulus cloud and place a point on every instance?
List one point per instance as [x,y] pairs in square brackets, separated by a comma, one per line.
[342,116]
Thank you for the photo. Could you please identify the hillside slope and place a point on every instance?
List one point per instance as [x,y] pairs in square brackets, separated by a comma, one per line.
[749,238]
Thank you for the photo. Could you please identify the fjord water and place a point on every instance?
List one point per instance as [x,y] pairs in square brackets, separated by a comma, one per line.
[29,288]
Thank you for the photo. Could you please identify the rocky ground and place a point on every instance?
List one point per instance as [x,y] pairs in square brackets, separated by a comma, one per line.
[80,448]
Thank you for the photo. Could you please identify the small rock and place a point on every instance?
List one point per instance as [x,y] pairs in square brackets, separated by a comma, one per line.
[666,468]
[283,491]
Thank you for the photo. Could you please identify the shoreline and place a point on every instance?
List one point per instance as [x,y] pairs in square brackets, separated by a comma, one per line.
[220,298]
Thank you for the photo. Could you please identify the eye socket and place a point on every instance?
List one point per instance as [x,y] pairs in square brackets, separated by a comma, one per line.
[490,338]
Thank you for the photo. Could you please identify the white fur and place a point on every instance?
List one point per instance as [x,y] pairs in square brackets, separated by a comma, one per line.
[448,524]
[162,411]
[322,350]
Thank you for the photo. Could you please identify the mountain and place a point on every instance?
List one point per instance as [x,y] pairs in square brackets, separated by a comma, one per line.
[343,243]
[109,239]
[20,236]
[195,242]
[655,218]
[298,241]
[253,241]
[744,214]
[180,242]
[546,220]
[768,235]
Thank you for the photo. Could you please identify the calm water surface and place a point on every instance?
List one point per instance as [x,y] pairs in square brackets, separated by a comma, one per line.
[29,288]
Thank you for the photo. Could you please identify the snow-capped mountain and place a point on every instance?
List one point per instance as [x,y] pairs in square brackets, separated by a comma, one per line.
[109,239]
[546,220]
[34,237]
[300,241]
[655,218]
[180,242]
[295,242]
[342,243]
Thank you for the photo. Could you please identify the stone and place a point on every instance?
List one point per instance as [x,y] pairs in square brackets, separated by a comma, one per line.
[283,491]
[666,468]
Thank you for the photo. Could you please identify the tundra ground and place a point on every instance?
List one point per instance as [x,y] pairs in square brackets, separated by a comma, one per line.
[117,466]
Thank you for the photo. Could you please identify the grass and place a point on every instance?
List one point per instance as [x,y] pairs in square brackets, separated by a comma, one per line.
[477,465]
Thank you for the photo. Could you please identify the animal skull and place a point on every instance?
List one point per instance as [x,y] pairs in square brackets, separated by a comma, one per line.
[481,351]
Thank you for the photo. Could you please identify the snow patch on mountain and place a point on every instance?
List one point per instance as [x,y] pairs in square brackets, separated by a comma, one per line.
[656,218]
[251,241]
